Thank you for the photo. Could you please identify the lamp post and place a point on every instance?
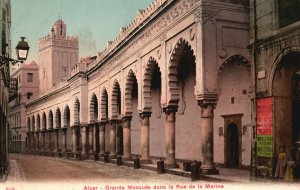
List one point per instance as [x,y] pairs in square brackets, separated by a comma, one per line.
[22,53]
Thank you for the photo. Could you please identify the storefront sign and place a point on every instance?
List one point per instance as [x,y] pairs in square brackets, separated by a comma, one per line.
[264,119]
[264,124]
[264,145]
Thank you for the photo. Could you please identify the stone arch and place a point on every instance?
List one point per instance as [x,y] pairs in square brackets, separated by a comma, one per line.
[38,122]
[235,59]
[94,108]
[181,48]
[32,123]
[76,112]
[151,64]
[104,105]
[131,77]
[50,120]
[67,116]
[115,100]
[276,62]
[57,119]
[28,124]
[44,121]
[286,99]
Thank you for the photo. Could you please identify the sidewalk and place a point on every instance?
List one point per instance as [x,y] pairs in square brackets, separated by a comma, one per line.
[225,174]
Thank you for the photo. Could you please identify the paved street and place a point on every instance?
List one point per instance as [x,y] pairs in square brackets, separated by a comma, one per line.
[34,172]
[31,168]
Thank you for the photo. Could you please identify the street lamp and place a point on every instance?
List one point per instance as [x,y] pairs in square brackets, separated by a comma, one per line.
[22,53]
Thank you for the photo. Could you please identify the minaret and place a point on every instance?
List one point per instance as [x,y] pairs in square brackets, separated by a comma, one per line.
[58,53]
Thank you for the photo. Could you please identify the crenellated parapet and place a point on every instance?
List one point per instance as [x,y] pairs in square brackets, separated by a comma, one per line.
[141,17]
[68,42]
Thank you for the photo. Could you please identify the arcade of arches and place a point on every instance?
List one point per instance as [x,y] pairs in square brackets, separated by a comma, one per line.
[159,96]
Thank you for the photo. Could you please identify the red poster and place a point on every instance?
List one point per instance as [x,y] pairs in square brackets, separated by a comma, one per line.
[264,116]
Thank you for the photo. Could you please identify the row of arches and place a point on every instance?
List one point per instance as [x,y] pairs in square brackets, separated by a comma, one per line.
[106,108]
[152,79]
[40,121]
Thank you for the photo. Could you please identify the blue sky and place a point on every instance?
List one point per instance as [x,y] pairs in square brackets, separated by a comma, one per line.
[94,21]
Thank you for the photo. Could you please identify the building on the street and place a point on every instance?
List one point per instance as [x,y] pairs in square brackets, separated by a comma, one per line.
[275,49]
[4,84]
[58,53]
[174,84]
[28,89]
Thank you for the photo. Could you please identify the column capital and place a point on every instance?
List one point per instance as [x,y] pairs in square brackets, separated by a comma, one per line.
[102,121]
[65,126]
[207,99]
[114,121]
[127,118]
[145,114]
[75,126]
[83,125]
[173,108]
[92,124]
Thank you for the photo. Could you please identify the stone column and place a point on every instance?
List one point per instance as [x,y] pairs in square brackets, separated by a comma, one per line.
[32,142]
[102,139]
[112,139]
[74,140]
[84,153]
[28,142]
[145,141]
[37,141]
[207,116]
[56,149]
[43,142]
[170,137]
[40,142]
[127,137]
[64,140]
[50,146]
[95,142]
[90,135]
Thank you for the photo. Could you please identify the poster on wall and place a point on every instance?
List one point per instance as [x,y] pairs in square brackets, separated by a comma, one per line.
[264,122]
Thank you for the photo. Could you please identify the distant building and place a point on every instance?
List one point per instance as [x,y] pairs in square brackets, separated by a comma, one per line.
[58,53]
[28,86]
[275,48]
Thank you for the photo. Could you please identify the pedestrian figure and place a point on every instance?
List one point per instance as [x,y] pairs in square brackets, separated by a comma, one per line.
[281,163]
[289,174]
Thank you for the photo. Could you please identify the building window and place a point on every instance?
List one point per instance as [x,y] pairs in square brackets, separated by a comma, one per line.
[29,94]
[288,12]
[29,77]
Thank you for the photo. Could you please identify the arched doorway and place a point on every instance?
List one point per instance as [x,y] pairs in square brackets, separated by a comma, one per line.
[115,140]
[183,67]
[131,104]
[152,104]
[232,144]
[296,107]
[286,97]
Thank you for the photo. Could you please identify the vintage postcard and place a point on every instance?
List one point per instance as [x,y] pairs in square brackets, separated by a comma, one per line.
[150,94]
